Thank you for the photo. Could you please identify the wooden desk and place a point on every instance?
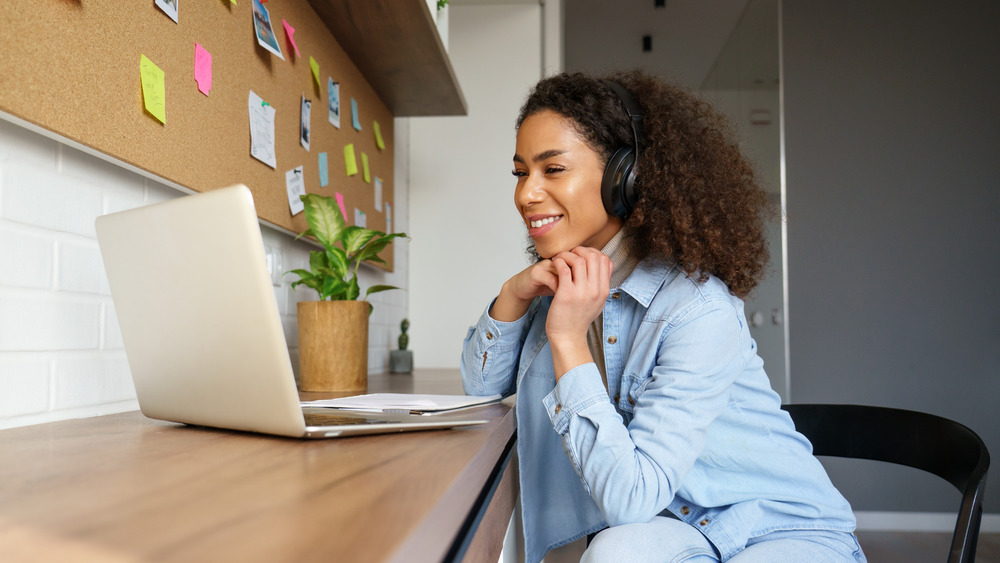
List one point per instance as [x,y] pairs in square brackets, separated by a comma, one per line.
[127,488]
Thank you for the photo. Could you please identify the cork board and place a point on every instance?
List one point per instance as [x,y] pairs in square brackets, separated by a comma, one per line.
[72,67]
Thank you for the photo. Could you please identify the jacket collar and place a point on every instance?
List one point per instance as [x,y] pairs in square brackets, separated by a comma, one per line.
[647,278]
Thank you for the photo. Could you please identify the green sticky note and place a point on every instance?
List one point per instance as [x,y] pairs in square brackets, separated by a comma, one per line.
[154,94]
[350,162]
[364,165]
[378,136]
[315,68]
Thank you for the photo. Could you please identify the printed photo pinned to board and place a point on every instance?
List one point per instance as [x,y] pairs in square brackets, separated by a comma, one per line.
[306,110]
[265,33]
[360,218]
[261,130]
[169,7]
[333,102]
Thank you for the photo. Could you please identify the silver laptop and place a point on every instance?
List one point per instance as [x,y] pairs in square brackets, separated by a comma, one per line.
[201,326]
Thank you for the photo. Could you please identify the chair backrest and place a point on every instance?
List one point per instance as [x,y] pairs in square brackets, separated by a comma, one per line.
[915,439]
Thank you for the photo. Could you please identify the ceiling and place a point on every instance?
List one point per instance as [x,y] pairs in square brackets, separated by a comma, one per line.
[689,38]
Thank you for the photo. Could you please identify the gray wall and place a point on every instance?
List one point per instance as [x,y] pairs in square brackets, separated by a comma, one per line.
[892,121]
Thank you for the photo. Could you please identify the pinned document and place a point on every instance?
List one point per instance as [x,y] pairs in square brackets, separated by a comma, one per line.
[354,115]
[261,130]
[295,185]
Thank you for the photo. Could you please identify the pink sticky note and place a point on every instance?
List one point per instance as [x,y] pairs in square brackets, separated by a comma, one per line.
[290,33]
[202,68]
[340,202]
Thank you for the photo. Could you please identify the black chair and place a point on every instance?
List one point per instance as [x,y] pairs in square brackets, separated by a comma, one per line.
[924,441]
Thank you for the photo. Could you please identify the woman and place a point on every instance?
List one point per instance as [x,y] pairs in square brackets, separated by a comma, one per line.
[643,409]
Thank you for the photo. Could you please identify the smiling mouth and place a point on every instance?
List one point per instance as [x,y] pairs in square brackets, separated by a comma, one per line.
[545,221]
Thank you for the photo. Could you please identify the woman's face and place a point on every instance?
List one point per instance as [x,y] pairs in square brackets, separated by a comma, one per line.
[558,189]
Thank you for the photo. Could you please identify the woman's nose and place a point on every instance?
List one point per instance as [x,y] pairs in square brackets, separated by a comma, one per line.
[530,191]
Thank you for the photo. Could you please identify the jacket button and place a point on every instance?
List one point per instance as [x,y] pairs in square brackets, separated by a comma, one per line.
[489,336]
[616,295]
[703,522]
[558,408]
[685,510]
[618,398]
[631,401]
[612,339]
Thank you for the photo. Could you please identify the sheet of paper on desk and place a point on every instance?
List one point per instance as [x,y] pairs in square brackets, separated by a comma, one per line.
[403,402]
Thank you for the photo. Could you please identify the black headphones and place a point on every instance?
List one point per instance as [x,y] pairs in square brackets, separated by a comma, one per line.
[618,185]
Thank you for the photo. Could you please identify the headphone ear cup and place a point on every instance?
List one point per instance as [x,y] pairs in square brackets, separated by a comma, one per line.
[617,185]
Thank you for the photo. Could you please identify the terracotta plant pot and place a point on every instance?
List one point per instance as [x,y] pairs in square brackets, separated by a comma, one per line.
[333,346]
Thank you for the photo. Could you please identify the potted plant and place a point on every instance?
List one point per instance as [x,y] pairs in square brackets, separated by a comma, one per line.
[333,331]
[401,361]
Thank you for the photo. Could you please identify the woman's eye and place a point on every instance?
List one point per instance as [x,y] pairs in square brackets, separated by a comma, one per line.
[554,169]
[518,173]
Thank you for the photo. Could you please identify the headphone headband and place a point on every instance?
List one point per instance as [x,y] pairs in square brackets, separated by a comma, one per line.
[633,109]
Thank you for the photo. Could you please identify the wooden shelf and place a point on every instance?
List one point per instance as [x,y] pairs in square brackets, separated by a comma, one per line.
[395,44]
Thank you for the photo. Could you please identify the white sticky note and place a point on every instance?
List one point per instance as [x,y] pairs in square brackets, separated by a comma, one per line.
[296,187]
[378,193]
[360,219]
[388,217]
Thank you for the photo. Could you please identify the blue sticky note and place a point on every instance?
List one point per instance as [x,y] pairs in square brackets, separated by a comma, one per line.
[354,115]
[324,176]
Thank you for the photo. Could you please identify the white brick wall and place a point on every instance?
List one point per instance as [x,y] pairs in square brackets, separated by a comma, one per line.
[61,353]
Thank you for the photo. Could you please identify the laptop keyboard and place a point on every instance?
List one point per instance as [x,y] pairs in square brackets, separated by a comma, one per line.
[322,419]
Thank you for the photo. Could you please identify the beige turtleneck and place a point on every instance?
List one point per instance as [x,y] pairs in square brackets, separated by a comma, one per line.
[623,267]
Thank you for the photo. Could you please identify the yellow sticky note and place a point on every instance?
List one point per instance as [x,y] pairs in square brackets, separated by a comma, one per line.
[154,94]
[315,68]
[350,162]
[378,136]
[364,165]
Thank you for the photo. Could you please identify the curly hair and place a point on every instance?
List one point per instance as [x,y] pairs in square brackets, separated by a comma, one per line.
[699,203]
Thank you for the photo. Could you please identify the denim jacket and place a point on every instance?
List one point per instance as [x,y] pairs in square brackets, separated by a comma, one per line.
[688,425]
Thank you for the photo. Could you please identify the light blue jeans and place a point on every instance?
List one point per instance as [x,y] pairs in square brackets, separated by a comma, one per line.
[668,540]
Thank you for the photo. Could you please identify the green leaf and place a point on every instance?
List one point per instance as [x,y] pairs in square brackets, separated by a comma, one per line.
[318,261]
[305,233]
[375,246]
[338,261]
[303,274]
[353,289]
[356,237]
[324,218]
[378,288]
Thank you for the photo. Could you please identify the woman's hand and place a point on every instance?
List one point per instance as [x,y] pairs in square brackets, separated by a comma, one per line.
[518,292]
[583,281]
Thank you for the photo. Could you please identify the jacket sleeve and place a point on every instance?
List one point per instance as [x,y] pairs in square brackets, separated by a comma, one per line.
[633,472]
[490,354]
